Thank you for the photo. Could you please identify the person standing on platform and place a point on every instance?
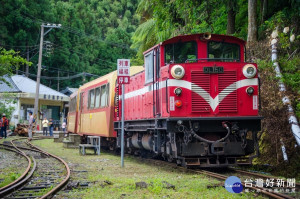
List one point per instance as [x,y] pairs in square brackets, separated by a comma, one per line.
[4,125]
[51,127]
[45,126]
[63,126]
[31,122]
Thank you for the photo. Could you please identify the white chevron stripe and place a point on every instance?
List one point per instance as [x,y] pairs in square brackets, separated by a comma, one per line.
[213,102]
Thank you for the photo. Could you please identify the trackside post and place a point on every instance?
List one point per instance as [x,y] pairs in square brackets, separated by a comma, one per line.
[123,78]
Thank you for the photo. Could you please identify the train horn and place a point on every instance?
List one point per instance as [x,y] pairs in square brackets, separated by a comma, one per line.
[206,35]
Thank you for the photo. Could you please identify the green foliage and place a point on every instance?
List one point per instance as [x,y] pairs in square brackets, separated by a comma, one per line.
[9,60]
[93,36]
[7,103]
[291,73]
[12,176]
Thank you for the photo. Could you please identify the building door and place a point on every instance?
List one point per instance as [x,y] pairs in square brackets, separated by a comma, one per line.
[55,112]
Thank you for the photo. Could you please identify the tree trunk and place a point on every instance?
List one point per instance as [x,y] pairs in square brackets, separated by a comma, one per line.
[264,11]
[230,18]
[252,22]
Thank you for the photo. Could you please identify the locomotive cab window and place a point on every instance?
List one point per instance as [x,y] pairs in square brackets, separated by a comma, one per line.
[221,51]
[181,52]
[149,67]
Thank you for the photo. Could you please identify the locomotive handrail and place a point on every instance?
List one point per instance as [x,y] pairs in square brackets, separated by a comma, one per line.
[167,96]
[235,60]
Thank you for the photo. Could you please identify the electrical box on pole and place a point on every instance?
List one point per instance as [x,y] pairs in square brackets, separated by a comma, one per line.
[123,78]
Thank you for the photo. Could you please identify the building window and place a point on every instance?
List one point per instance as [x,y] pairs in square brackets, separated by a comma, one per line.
[149,67]
[24,111]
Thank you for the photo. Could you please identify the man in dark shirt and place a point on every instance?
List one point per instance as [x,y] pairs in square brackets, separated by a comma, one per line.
[51,126]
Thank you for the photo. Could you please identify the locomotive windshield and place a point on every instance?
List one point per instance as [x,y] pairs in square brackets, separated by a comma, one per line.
[180,52]
[221,51]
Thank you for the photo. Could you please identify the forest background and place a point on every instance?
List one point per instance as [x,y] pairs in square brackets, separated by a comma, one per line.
[95,33]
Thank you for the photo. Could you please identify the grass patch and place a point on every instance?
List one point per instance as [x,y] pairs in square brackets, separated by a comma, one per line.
[8,178]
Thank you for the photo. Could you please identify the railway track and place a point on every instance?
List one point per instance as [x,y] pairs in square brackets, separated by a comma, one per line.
[222,176]
[44,176]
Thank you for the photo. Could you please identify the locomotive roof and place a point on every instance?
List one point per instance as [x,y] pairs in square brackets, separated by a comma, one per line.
[224,38]
[199,36]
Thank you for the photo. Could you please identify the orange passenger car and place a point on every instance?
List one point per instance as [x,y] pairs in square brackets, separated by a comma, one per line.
[92,107]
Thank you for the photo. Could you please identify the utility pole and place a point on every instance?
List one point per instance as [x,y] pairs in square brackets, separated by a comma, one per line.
[58,80]
[38,78]
[27,66]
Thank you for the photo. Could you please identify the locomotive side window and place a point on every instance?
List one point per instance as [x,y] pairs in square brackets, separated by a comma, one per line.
[222,51]
[180,52]
[97,99]
[149,67]
[92,98]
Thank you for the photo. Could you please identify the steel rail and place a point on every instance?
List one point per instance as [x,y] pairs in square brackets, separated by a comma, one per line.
[215,175]
[60,185]
[22,179]
[260,175]
[261,190]
[24,148]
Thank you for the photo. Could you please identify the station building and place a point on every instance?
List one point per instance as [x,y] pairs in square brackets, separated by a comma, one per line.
[22,89]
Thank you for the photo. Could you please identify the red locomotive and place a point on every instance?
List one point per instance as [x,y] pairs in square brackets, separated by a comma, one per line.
[196,102]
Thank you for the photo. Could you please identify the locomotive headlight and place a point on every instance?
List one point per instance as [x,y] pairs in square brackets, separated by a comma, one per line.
[177,91]
[250,90]
[249,71]
[177,71]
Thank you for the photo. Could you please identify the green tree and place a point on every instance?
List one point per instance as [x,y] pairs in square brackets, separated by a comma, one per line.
[8,100]
[10,61]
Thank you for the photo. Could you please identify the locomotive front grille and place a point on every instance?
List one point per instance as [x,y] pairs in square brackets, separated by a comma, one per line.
[200,87]
[201,91]
[228,91]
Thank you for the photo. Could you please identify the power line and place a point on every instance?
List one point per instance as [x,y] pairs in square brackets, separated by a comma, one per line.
[83,74]
[83,55]
[17,46]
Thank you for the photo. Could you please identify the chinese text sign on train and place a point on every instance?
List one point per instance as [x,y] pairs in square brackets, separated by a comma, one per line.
[123,71]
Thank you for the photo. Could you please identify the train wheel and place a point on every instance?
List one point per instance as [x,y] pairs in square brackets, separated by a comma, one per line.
[170,158]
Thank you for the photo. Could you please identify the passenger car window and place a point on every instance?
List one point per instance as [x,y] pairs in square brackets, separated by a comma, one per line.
[91,99]
[181,52]
[104,95]
[221,51]
[97,99]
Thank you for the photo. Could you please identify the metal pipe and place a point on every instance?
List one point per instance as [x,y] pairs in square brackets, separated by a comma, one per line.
[286,101]
[122,131]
